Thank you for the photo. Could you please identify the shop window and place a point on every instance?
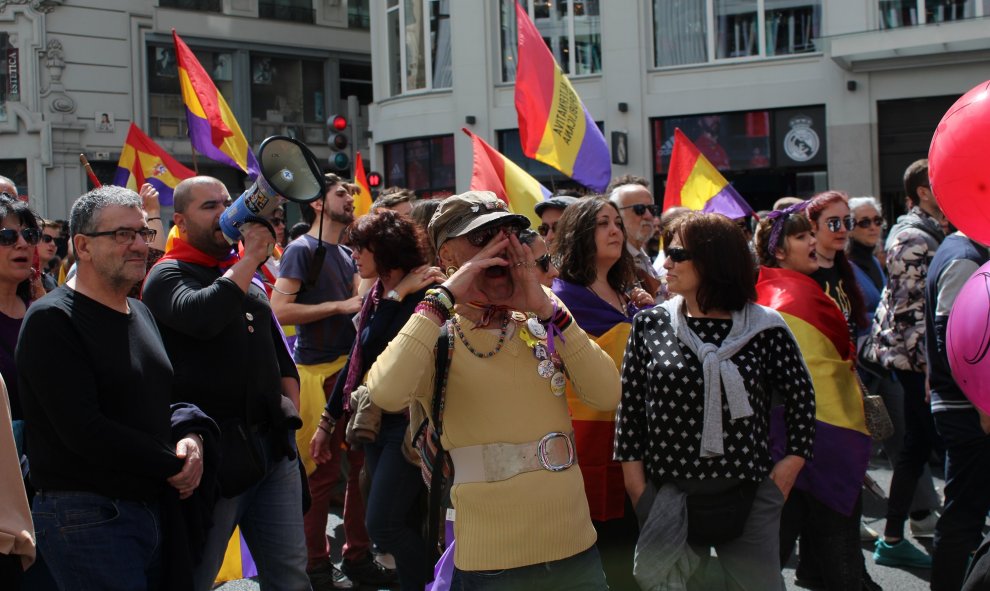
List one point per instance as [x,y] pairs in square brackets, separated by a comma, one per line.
[419,50]
[300,11]
[167,113]
[909,13]
[287,97]
[355,79]
[683,33]
[200,5]
[570,28]
[425,165]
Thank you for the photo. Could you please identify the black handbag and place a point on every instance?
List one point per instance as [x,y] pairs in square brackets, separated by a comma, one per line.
[718,518]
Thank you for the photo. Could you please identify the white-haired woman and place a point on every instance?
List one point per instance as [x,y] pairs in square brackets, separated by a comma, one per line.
[868,227]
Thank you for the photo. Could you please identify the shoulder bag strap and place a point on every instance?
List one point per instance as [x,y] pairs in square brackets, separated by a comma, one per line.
[436,480]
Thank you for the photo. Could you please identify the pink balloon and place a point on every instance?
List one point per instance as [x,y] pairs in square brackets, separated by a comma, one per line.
[959,163]
[968,338]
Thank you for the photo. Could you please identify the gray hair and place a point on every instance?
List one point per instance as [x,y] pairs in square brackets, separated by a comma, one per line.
[857,202]
[85,211]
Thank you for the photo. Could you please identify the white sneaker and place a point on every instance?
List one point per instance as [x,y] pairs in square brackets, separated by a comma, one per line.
[924,528]
[867,533]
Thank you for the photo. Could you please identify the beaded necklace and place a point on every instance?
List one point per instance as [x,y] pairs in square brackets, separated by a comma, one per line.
[503,331]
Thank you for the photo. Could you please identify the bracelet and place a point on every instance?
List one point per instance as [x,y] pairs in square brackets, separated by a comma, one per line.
[450,294]
[433,306]
[442,297]
[328,418]
[324,429]
[155,218]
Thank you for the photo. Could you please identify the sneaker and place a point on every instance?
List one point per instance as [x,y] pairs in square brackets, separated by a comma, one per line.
[867,533]
[326,576]
[368,572]
[902,553]
[924,528]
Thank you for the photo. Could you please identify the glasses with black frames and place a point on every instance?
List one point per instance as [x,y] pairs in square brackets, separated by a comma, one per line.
[866,222]
[677,254]
[544,229]
[483,236]
[127,235]
[544,263]
[8,236]
[641,208]
[835,223]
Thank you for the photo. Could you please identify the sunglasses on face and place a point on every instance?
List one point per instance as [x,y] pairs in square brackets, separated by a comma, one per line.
[544,229]
[277,221]
[642,208]
[483,236]
[127,235]
[677,254]
[8,236]
[47,238]
[544,263]
[834,224]
[876,221]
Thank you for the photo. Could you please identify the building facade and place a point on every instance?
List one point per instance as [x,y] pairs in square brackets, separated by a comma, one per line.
[79,72]
[786,97]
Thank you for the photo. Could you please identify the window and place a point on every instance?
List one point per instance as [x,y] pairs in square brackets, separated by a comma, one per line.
[355,78]
[909,13]
[167,118]
[424,165]
[287,97]
[571,29]
[698,31]
[358,16]
[418,45]
[300,11]
[201,5]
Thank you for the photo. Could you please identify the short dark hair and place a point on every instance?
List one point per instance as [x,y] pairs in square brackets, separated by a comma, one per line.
[423,210]
[795,223]
[626,179]
[395,240]
[722,259]
[574,248]
[297,230]
[182,195]
[915,176]
[22,211]
[306,210]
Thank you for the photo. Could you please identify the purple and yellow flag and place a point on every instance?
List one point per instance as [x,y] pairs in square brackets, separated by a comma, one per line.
[554,126]
[594,430]
[213,130]
[693,182]
[143,161]
[842,442]
[492,171]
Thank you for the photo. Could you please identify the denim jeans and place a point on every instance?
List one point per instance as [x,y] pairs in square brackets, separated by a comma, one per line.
[967,480]
[832,540]
[95,542]
[271,519]
[583,571]
[392,502]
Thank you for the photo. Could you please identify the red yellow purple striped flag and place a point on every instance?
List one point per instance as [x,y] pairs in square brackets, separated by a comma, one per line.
[213,129]
[494,172]
[554,126]
[144,161]
[693,182]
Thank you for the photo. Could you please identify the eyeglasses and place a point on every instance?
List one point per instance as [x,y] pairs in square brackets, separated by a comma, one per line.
[277,221]
[544,262]
[8,236]
[47,238]
[544,229]
[677,254]
[641,208]
[483,236]
[834,224]
[127,235]
[876,221]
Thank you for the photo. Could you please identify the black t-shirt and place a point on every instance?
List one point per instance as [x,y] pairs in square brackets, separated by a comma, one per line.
[95,388]
[831,282]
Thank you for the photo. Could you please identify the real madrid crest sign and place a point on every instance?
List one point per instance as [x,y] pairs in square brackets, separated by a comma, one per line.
[801,143]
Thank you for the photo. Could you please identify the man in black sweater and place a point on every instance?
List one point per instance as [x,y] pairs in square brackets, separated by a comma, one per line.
[231,361]
[98,424]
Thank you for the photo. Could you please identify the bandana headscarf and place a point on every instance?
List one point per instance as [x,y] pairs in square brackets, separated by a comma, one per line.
[779,217]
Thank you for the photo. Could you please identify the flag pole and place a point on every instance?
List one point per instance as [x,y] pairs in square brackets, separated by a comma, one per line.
[194,162]
[89,171]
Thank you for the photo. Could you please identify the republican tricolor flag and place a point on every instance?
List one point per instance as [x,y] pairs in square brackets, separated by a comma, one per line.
[554,126]
[693,182]
[494,172]
[144,161]
[213,130]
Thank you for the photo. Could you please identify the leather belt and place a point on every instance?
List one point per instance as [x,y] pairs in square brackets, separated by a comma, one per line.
[492,462]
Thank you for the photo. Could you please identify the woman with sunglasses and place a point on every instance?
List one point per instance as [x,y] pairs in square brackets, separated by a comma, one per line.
[596,283]
[522,519]
[825,506]
[50,232]
[832,222]
[868,226]
[693,430]
[545,268]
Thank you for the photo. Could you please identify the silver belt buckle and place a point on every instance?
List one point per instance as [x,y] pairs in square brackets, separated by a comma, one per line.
[543,455]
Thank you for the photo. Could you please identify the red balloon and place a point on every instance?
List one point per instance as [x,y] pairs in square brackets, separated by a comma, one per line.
[959,163]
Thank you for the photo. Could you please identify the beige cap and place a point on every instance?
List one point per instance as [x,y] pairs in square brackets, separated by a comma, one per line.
[461,214]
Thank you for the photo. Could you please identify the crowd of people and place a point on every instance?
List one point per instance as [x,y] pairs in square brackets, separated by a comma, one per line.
[571,408]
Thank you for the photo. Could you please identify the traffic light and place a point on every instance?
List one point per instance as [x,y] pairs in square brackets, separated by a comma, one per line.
[374,180]
[340,159]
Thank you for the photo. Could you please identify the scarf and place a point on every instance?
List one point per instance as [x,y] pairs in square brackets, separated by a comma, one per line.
[718,367]
[354,360]
[187,253]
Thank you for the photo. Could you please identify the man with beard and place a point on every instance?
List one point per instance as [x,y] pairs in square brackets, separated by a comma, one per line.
[631,195]
[231,361]
[317,291]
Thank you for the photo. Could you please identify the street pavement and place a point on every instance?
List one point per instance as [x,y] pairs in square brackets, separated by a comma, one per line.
[874,509]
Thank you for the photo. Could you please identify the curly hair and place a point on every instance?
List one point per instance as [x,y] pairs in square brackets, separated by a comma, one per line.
[574,249]
[721,258]
[816,206]
[795,223]
[395,240]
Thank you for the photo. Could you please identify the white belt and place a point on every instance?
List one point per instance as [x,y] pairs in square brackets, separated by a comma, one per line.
[492,462]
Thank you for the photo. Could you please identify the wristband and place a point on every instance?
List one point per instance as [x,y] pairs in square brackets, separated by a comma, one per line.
[450,294]
[155,218]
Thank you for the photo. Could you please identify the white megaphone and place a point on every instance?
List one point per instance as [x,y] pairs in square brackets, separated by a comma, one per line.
[289,170]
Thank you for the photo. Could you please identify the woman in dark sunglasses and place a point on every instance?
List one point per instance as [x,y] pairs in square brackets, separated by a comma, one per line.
[596,283]
[863,240]
[541,256]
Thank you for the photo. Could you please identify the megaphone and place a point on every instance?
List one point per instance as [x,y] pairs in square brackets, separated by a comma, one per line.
[289,170]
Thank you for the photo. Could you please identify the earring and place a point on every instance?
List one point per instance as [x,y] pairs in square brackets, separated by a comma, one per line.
[450,270]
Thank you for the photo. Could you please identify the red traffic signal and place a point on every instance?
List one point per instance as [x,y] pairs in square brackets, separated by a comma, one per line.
[374,180]
[337,122]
